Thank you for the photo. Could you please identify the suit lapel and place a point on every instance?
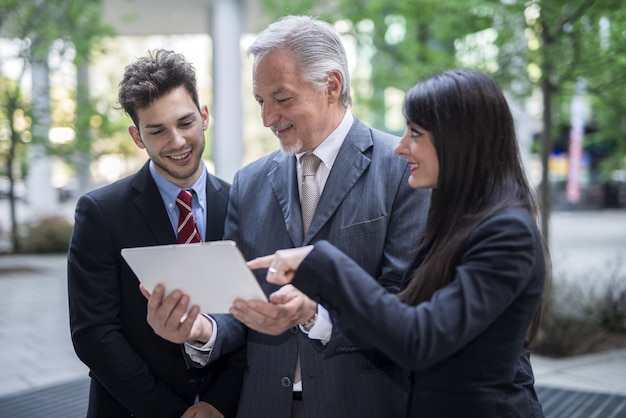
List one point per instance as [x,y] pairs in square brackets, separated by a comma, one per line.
[150,206]
[348,167]
[283,179]
[214,217]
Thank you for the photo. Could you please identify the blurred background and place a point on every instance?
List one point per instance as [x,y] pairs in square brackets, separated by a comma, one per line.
[562,64]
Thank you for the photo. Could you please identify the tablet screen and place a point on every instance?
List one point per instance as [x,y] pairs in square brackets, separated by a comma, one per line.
[213,273]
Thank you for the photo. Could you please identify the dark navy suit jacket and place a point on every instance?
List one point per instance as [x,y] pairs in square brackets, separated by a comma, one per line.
[463,346]
[134,372]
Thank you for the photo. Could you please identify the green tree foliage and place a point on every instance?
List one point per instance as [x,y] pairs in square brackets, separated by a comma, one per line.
[68,26]
[602,62]
[36,27]
[571,41]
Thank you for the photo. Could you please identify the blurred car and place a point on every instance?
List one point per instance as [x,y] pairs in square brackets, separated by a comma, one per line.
[67,191]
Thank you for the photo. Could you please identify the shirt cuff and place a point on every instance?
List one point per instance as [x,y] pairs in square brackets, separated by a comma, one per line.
[202,354]
[323,327]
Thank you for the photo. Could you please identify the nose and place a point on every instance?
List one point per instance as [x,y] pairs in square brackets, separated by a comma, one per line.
[177,138]
[401,147]
[269,114]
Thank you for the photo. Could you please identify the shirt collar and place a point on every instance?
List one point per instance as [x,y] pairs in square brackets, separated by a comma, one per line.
[329,148]
[169,191]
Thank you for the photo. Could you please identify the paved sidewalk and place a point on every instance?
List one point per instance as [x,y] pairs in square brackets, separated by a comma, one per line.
[36,349]
[601,372]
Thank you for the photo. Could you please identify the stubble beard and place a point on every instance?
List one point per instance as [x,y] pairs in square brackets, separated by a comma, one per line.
[293,149]
[181,173]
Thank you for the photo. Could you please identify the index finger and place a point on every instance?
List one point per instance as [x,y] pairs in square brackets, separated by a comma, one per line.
[260,262]
[144,291]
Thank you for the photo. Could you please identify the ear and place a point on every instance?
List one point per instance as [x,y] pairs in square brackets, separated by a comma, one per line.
[333,86]
[204,112]
[134,133]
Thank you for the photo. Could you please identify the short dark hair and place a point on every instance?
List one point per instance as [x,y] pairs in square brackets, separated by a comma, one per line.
[151,77]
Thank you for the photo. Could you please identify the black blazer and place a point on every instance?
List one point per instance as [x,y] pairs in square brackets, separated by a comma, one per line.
[463,346]
[134,372]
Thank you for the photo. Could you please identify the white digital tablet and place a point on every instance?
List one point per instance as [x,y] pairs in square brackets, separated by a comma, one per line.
[213,274]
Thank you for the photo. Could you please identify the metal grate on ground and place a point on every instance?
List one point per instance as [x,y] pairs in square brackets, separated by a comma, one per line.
[69,400]
[565,403]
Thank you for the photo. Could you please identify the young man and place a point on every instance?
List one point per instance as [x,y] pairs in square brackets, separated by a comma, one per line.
[134,372]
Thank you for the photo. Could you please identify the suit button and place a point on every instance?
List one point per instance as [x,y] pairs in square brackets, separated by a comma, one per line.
[294,330]
[286,382]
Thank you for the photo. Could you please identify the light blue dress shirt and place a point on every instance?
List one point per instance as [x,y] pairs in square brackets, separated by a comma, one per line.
[169,191]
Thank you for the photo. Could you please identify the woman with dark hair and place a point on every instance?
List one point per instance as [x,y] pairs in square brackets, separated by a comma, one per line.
[473,300]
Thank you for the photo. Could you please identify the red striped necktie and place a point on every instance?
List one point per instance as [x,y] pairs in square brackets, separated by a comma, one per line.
[187,231]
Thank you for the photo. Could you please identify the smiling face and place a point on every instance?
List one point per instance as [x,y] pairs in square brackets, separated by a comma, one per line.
[417,146]
[171,130]
[299,115]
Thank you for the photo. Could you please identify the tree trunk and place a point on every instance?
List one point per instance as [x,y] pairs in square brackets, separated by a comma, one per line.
[11,109]
[82,155]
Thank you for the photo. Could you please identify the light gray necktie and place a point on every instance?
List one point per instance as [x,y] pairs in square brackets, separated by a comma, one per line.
[310,192]
[309,196]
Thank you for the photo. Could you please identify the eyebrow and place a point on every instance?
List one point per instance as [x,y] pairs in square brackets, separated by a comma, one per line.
[277,91]
[159,125]
[274,93]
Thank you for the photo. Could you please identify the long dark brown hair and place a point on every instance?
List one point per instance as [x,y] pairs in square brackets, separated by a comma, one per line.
[480,171]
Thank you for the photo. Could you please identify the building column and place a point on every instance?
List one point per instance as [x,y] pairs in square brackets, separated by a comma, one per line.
[41,195]
[227,18]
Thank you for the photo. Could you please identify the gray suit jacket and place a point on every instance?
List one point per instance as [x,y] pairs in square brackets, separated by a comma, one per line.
[367,210]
